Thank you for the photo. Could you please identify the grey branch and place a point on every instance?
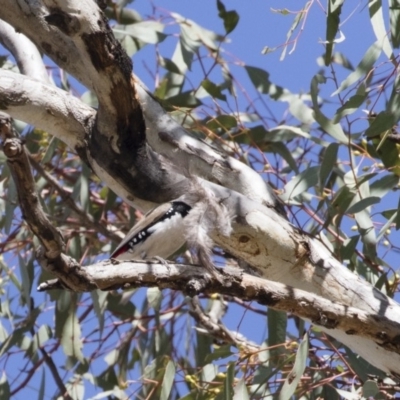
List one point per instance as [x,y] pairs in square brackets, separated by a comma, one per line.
[192,280]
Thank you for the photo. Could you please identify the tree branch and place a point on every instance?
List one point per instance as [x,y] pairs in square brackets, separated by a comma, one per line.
[192,280]
[28,58]
[85,218]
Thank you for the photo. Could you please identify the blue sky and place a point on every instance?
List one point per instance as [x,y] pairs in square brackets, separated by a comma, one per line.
[260,26]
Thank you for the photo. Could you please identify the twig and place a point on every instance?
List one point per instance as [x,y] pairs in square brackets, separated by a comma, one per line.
[217,329]
[87,219]
[51,256]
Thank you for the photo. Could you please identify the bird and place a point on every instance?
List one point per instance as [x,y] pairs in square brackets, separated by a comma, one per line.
[160,234]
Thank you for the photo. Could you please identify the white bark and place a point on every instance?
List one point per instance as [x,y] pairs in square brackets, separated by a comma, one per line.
[362,329]
[201,159]
[27,55]
[46,107]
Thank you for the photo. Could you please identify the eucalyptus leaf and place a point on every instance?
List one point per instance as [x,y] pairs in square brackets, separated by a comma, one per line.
[333,129]
[277,325]
[213,89]
[363,68]
[168,380]
[378,25]
[230,18]
[363,204]
[71,340]
[301,183]
[4,387]
[329,159]
[332,27]
[296,373]
[240,390]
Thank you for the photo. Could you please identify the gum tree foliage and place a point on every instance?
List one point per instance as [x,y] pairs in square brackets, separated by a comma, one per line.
[334,166]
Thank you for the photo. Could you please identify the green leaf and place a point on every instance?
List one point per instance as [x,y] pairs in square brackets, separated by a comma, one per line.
[296,373]
[168,380]
[386,226]
[284,132]
[213,89]
[260,79]
[389,213]
[342,60]
[394,16]
[350,106]
[15,339]
[367,231]
[26,281]
[382,186]
[120,307]
[240,391]
[42,387]
[283,151]
[277,324]
[363,204]
[203,348]
[3,332]
[348,247]
[43,335]
[398,217]
[230,18]
[100,301]
[335,130]
[370,389]
[381,123]
[192,32]
[362,69]
[154,297]
[125,15]
[218,353]
[184,99]
[332,27]
[10,273]
[223,122]
[300,183]
[208,372]
[84,193]
[169,65]
[186,48]
[228,383]
[4,387]
[146,31]
[329,160]
[51,148]
[10,206]
[299,16]
[71,340]
[361,367]
[378,25]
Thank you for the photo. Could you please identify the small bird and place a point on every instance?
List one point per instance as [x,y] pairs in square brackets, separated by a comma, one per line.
[159,234]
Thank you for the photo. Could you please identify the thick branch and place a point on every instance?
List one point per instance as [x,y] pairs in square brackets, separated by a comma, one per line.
[52,258]
[46,107]
[168,137]
[193,280]
[18,163]
[28,58]
[109,81]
